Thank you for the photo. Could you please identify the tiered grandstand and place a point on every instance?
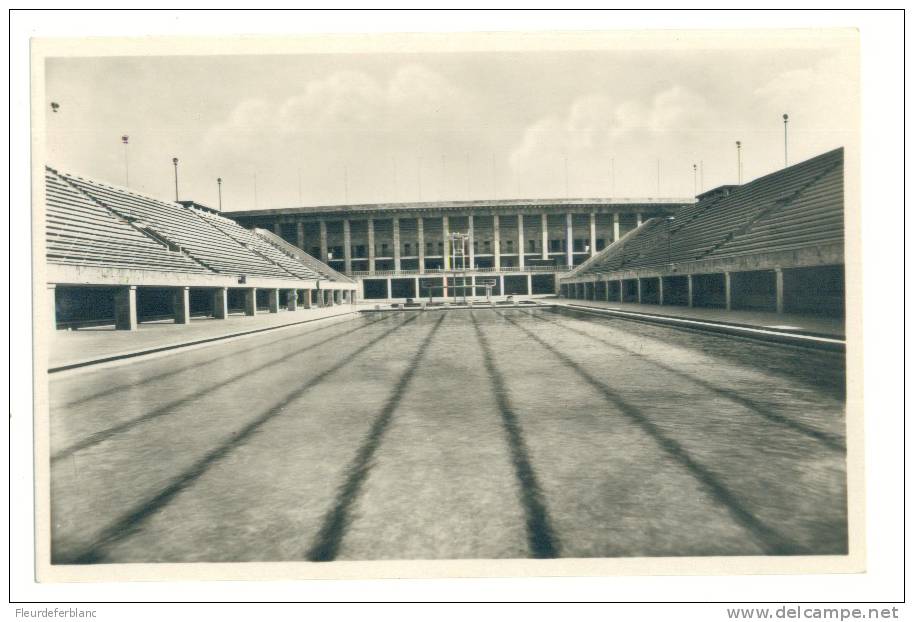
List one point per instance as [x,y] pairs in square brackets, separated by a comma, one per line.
[773,244]
[118,257]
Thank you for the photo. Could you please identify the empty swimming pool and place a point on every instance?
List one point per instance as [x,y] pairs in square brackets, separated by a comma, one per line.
[490,433]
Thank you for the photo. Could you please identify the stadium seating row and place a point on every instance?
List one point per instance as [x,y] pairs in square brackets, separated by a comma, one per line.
[797,207]
[81,232]
[98,225]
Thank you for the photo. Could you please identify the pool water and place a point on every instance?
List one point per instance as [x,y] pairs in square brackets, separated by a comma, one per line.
[487,433]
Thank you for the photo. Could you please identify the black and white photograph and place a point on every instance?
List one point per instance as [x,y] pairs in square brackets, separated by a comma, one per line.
[490,305]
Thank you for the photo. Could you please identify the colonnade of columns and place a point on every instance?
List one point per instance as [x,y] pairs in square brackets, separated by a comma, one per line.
[125,302]
[473,284]
[611,234]
[579,290]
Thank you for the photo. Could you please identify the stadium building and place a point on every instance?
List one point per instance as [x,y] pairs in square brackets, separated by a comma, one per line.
[397,251]
[772,244]
[118,257]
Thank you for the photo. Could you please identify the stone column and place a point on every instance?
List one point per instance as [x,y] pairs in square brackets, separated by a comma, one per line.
[182,305]
[347,247]
[496,242]
[52,305]
[292,302]
[274,300]
[520,241]
[420,231]
[501,284]
[250,301]
[471,242]
[660,290]
[529,284]
[569,240]
[323,226]
[416,289]
[593,233]
[728,291]
[638,281]
[606,290]
[125,308]
[544,225]
[300,234]
[445,232]
[306,298]
[621,290]
[691,300]
[371,245]
[395,222]
[338,296]
[390,291]
[779,290]
[220,303]
[615,227]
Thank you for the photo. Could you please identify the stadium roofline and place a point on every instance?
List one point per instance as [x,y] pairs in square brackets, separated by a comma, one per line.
[460,205]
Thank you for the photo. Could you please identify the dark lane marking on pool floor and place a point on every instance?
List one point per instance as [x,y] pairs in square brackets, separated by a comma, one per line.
[831,441]
[773,542]
[102,435]
[540,534]
[333,527]
[134,519]
[195,366]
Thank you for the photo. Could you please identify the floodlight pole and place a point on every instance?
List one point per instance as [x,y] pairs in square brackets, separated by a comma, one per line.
[785,139]
[739,162]
[175,162]
[219,183]
[126,140]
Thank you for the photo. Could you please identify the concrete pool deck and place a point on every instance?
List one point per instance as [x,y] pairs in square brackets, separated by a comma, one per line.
[806,324]
[70,349]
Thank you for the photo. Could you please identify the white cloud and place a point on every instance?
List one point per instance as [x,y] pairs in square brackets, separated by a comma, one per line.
[350,124]
[820,96]
[597,132]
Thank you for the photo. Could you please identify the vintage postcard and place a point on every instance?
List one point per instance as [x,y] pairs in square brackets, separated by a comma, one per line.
[425,305]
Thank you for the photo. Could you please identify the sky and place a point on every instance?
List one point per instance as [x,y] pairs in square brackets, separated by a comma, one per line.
[321,129]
